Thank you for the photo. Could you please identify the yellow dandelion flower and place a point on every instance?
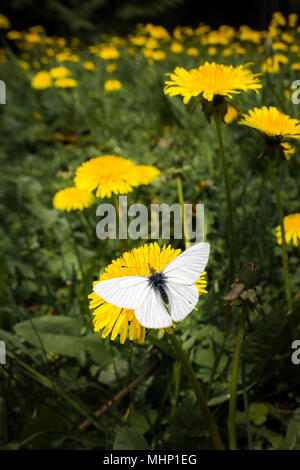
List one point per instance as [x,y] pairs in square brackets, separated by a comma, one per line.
[295,66]
[138,40]
[287,94]
[65,82]
[110,174]
[23,64]
[107,174]
[37,29]
[59,72]
[147,52]
[32,38]
[272,64]
[231,115]
[279,46]
[112,85]
[116,321]
[272,122]
[215,37]
[14,35]
[248,34]
[292,20]
[146,173]
[212,50]
[158,55]
[71,199]
[278,18]
[4,22]
[288,150]
[111,68]
[41,80]
[176,47]
[109,52]
[192,51]
[158,32]
[240,50]
[287,37]
[89,66]
[227,51]
[62,56]
[66,56]
[151,44]
[211,79]
[291,225]
[281,58]
[50,52]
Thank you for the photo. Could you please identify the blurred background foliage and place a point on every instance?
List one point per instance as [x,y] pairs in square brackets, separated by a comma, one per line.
[90,18]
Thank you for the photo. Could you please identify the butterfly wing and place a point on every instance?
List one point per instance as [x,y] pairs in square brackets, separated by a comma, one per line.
[183,299]
[181,274]
[189,265]
[136,293]
[152,313]
[125,292]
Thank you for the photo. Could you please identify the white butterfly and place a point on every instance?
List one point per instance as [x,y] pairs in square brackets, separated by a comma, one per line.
[163,297]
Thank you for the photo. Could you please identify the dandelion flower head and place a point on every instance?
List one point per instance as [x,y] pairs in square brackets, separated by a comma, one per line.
[291,225]
[110,174]
[71,199]
[211,79]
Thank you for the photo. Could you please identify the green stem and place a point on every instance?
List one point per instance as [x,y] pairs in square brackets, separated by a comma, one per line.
[284,252]
[246,405]
[221,351]
[181,202]
[274,92]
[234,382]
[122,241]
[228,197]
[208,419]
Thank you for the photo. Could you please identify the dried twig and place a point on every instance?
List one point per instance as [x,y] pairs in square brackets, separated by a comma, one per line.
[88,421]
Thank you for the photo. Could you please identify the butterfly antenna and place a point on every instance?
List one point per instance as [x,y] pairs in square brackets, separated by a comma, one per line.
[132,267]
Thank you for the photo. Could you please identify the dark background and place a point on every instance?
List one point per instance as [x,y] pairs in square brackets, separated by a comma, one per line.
[89,18]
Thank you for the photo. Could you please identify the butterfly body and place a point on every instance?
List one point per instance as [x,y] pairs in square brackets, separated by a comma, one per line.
[163,297]
[158,281]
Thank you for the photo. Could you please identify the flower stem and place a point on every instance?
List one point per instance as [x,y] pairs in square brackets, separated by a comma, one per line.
[228,197]
[181,202]
[211,426]
[234,381]
[284,252]
[123,241]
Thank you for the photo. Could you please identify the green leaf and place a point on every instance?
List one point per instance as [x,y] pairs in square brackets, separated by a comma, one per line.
[60,335]
[129,439]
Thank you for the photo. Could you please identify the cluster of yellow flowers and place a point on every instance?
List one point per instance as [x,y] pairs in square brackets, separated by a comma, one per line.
[57,76]
[156,44]
[106,175]
[213,83]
